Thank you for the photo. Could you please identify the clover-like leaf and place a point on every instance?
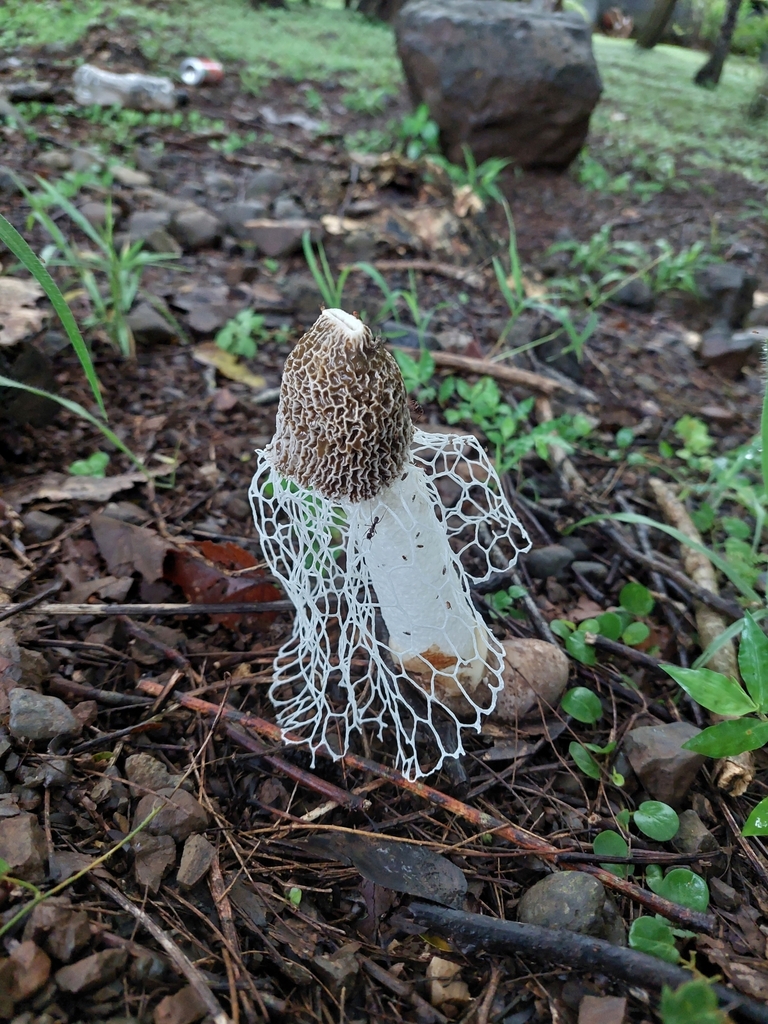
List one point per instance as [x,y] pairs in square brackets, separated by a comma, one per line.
[654,936]
[657,820]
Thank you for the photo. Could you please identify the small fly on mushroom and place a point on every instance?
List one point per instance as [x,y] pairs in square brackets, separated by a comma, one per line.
[376,531]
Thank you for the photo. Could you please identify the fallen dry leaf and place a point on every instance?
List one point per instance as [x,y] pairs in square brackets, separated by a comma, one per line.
[19,316]
[127,548]
[60,487]
[228,365]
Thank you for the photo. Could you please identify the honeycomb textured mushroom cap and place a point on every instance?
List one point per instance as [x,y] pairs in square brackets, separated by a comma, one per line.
[343,427]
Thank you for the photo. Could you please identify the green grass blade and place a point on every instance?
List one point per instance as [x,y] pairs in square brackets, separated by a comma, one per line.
[21,250]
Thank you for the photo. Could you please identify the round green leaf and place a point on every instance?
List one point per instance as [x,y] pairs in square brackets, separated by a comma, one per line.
[651,935]
[578,648]
[589,626]
[657,820]
[582,704]
[727,739]
[584,760]
[692,1001]
[682,886]
[713,690]
[609,625]
[625,437]
[637,599]
[757,823]
[611,844]
[561,628]
[635,633]
[654,876]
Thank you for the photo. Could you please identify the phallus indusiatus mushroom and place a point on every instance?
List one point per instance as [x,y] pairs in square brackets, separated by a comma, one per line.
[347,504]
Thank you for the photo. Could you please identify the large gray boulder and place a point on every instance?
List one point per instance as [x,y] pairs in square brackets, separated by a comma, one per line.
[506,80]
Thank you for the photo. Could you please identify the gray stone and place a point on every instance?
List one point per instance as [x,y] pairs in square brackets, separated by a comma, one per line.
[577,546]
[149,326]
[196,858]
[454,340]
[142,223]
[55,159]
[130,177]
[264,183]
[219,183]
[184,1007]
[86,160]
[40,526]
[180,817]
[659,761]
[235,216]
[596,570]
[505,79]
[572,900]
[548,561]
[9,185]
[635,294]
[24,92]
[155,856]
[280,237]
[147,773]
[96,213]
[196,228]
[92,972]
[725,349]
[56,925]
[287,208]
[693,837]
[5,786]
[160,240]
[36,716]
[729,290]
[23,847]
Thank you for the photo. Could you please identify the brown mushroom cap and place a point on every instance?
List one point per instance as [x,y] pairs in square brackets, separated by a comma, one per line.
[343,426]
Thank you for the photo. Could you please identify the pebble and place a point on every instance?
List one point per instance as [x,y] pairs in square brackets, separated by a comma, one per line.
[727,351]
[92,972]
[184,1007]
[142,223]
[180,817]
[149,774]
[575,901]
[548,561]
[635,294]
[55,159]
[196,858]
[155,856]
[40,527]
[34,668]
[287,208]
[23,846]
[196,228]
[603,1010]
[596,570]
[35,716]
[235,216]
[96,213]
[533,670]
[264,183]
[31,969]
[659,761]
[693,837]
[129,176]
[453,340]
[339,970]
[63,930]
[280,237]
[149,326]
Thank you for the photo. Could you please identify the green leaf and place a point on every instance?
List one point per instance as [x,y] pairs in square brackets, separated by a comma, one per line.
[589,626]
[694,1002]
[561,628]
[635,633]
[637,599]
[294,895]
[578,648]
[736,527]
[687,889]
[757,823]
[712,690]
[654,876]
[595,748]
[94,465]
[609,625]
[727,739]
[5,867]
[584,760]
[624,437]
[622,818]
[582,704]
[650,935]
[703,517]
[657,820]
[611,844]
[753,662]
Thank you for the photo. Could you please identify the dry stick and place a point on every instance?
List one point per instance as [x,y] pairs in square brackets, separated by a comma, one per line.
[235,607]
[233,957]
[31,601]
[571,479]
[485,822]
[470,932]
[733,774]
[720,604]
[180,961]
[507,374]
[404,990]
[471,277]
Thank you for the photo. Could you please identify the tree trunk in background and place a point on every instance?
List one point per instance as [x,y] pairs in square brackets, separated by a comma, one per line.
[709,74]
[653,30]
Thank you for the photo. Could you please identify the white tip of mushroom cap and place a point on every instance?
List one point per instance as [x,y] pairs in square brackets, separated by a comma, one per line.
[352,324]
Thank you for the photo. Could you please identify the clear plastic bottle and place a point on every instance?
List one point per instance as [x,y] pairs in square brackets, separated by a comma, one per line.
[107,89]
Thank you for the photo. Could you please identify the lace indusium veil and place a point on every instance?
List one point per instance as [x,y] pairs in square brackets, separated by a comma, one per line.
[345,565]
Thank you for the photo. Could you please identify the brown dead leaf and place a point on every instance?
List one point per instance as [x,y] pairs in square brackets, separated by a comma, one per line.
[204,583]
[745,978]
[585,609]
[127,548]
[227,555]
[60,487]
[19,316]
[228,365]
[108,588]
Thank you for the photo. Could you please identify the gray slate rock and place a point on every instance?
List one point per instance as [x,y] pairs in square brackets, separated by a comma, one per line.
[147,773]
[548,561]
[93,972]
[155,856]
[575,901]
[725,349]
[196,228]
[635,294]
[280,237]
[23,846]
[694,837]
[196,858]
[505,79]
[659,761]
[142,223]
[96,213]
[180,817]
[235,216]
[35,716]
[150,327]
[287,208]
[265,184]
[596,570]
[40,526]
[729,290]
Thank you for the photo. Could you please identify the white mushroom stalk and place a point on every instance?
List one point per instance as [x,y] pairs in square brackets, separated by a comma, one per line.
[347,504]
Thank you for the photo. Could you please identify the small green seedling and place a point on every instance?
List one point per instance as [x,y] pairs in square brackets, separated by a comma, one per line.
[418,133]
[503,602]
[294,895]
[654,936]
[694,1002]
[635,602]
[94,465]
[240,334]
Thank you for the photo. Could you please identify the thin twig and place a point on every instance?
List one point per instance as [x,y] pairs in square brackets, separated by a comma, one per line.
[22,606]
[235,607]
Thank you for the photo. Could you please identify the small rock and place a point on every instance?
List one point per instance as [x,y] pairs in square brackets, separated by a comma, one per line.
[235,216]
[86,160]
[207,319]
[729,290]
[445,984]
[155,856]
[725,350]
[35,716]
[92,972]
[694,837]
[96,213]
[147,773]
[23,846]
[575,901]
[32,968]
[24,92]
[602,1010]
[142,223]
[184,1007]
[59,927]
[34,669]
[724,895]
[55,159]
[9,185]
[533,670]
[149,326]
[264,183]
[196,228]
[40,527]
[237,508]
[197,856]
[338,971]
[5,786]
[86,712]
[280,237]
[659,761]
[594,569]
[548,561]
[577,546]
[160,240]
[219,183]
[635,294]
[180,817]
[286,208]
[453,340]
[758,317]
[129,176]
